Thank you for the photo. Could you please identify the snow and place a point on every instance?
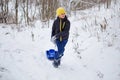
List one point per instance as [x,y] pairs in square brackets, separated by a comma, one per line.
[90,53]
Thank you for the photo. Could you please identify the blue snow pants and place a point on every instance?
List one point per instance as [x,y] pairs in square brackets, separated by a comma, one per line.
[61,48]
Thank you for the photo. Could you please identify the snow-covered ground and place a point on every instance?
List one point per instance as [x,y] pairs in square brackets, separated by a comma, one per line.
[91,54]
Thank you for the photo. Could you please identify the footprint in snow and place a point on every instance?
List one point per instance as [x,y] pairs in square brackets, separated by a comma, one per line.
[100,74]
[2,69]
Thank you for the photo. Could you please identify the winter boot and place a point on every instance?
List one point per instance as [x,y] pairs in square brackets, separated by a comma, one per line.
[56,63]
[59,62]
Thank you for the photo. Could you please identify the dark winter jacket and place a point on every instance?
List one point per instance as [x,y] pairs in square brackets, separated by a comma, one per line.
[61,28]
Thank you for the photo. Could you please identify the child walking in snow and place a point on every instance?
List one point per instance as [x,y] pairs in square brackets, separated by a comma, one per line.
[60,34]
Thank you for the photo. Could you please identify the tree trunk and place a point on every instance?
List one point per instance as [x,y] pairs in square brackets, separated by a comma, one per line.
[16,8]
[27,15]
[2,11]
[43,9]
[108,3]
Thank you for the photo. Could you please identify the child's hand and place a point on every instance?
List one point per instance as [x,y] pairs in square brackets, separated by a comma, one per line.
[53,39]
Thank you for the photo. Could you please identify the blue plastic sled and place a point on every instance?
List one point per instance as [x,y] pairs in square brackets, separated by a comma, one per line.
[51,54]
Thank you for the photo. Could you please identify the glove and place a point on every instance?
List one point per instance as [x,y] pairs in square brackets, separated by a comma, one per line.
[53,39]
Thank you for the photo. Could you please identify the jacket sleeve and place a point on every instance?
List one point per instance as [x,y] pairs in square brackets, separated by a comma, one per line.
[65,31]
[53,30]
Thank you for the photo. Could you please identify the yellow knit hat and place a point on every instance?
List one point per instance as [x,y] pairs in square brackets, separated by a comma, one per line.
[60,11]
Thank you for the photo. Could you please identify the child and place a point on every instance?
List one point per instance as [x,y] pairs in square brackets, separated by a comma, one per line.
[60,34]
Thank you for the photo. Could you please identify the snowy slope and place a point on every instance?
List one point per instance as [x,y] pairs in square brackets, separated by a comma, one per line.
[90,53]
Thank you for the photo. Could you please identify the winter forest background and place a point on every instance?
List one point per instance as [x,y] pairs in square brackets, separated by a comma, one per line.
[92,51]
[27,11]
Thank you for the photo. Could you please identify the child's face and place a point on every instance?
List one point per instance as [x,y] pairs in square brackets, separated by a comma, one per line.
[62,16]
